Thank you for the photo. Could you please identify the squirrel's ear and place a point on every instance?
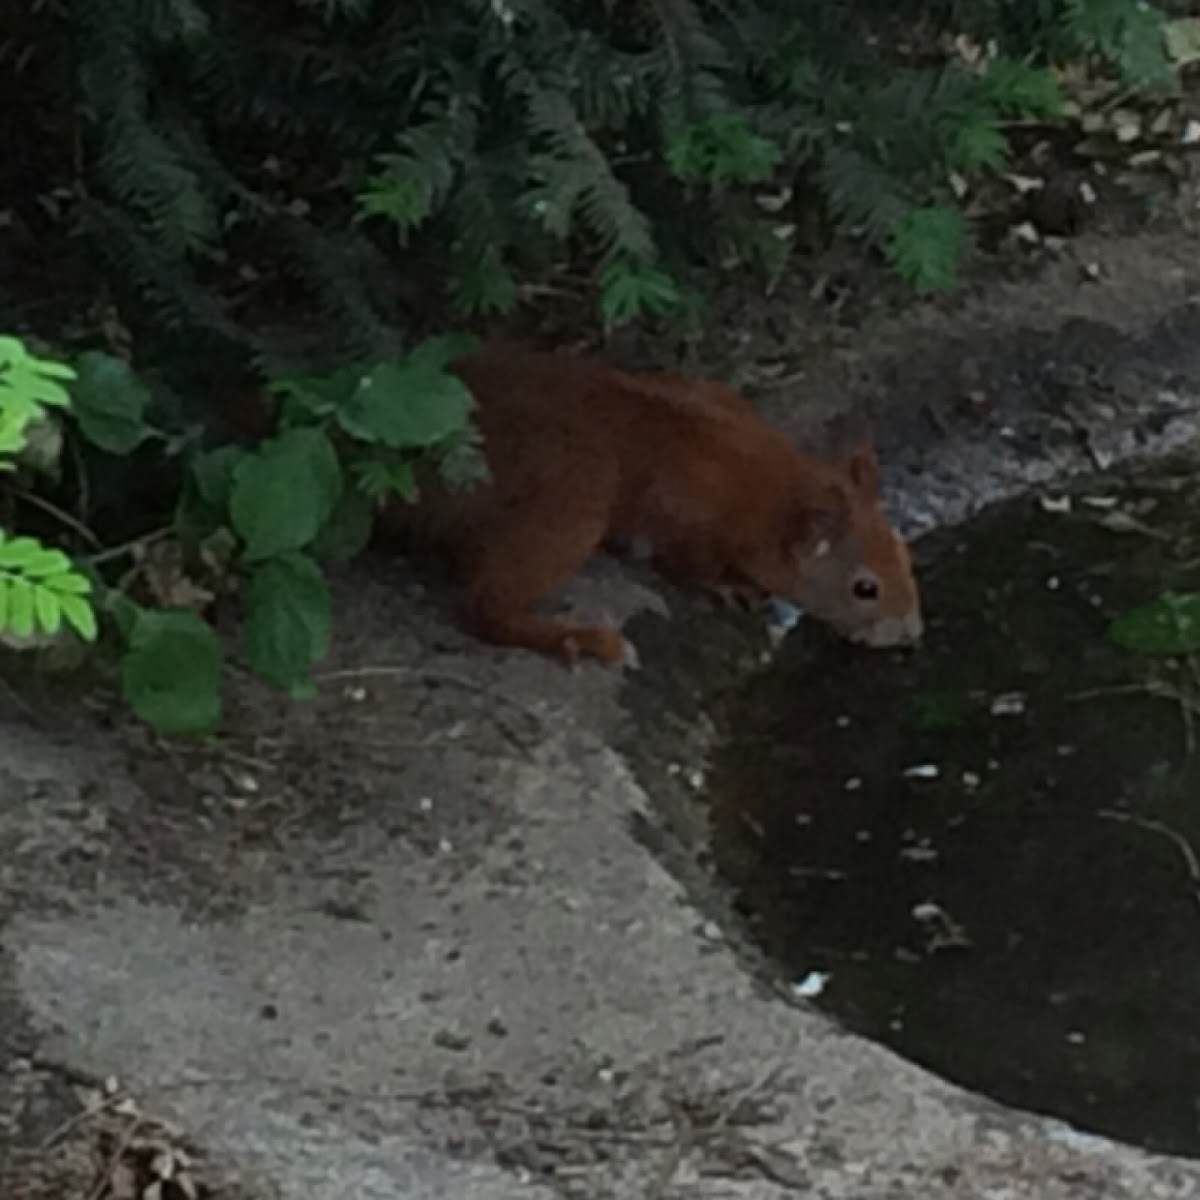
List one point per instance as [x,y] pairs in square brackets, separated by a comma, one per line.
[862,468]
[821,521]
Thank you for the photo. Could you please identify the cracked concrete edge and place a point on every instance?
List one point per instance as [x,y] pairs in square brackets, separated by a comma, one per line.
[620,977]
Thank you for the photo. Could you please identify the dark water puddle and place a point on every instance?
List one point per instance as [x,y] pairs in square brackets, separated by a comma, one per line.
[988,845]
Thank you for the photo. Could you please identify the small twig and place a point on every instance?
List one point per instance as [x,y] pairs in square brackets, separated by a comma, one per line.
[114,1161]
[72,1123]
[1189,706]
[759,1084]
[1185,847]
[129,547]
[1118,689]
[671,1163]
[61,516]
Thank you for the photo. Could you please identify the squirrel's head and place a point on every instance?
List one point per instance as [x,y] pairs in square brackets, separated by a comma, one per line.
[841,560]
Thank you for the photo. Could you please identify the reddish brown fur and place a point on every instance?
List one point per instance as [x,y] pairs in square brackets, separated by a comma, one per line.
[581,453]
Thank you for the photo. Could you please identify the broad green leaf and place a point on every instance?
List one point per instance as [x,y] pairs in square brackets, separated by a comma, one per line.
[110,403]
[348,529]
[214,471]
[288,620]
[5,594]
[171,673]
[438,353]
[47,609]
[123,612]
[307,398]
[203,504]
[284,493]
[1168,625]
[406,406]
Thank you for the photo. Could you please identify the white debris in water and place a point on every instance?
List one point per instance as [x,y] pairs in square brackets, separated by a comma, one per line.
[811,986]
[970,779]
[923,771]
[1103,503]
[928,911]
[853,784]
[1008,704]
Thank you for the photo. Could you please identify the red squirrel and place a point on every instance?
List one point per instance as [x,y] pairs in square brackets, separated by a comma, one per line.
[582,454]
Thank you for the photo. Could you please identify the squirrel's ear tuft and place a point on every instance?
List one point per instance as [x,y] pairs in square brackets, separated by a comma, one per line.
[862,468]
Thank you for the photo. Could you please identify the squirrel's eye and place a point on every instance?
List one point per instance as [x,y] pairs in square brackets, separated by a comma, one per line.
[865,589]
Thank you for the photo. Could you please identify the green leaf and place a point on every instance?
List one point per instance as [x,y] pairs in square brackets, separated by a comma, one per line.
[1021,89]
[47,609]
[110,403]
[79,614]
[306,399]
[171,672]
[28,384]
[203,504]
[213,472]
[285,492]
[69,583]
[379,476]
[481,283]
[1168,625]
[438,353]
[348,529]
[722,147]
[628,289]
[17,553]
[406,405]
[974,141]
[936,710]
[46,562]
[20,606]
[926,246]
[288,622]
[406,201]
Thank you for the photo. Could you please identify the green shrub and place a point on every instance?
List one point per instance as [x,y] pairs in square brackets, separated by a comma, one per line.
[346,441]
[374,154]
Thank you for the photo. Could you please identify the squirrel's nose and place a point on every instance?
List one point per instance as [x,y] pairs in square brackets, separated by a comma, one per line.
[906,630]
